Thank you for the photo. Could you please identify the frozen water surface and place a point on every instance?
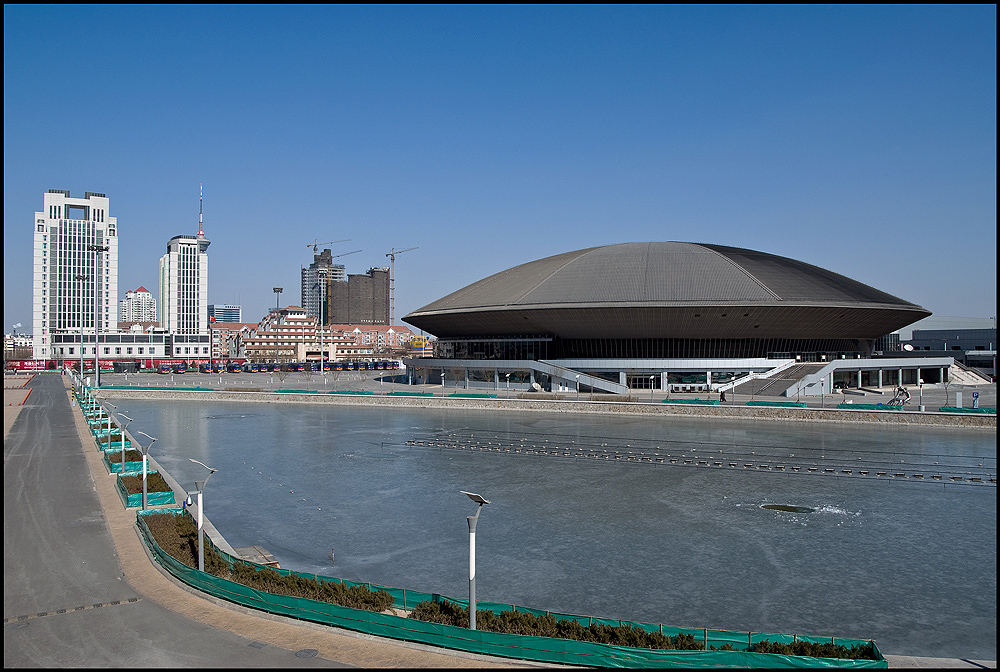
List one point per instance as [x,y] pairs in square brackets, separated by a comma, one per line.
[910,563]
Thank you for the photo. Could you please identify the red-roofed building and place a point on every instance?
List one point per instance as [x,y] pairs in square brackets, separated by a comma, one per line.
[137,306]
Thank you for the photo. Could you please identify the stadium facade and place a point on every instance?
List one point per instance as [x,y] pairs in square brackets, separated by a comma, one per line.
[663,315]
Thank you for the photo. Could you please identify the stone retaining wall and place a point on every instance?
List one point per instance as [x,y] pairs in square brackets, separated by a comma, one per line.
[935,419]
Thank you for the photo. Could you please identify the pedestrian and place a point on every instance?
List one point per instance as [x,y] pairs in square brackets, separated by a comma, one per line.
[722,397]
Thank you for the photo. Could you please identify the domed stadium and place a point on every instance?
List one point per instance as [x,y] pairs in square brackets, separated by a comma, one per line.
[662,301]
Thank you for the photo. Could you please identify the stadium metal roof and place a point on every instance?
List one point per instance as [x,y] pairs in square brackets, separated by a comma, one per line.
[667,290]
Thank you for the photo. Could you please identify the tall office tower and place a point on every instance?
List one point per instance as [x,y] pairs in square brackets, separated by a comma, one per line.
[184,285]
[363,299]
[321,271]
[75,270]
[220,313]
[184,282]
[137,306]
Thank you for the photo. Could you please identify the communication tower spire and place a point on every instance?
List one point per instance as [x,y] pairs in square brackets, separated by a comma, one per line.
[201,196]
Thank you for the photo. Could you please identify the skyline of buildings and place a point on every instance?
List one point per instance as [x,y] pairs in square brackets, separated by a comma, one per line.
[75,288]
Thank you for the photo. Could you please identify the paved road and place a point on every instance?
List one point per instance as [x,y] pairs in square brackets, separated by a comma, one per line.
[80,590]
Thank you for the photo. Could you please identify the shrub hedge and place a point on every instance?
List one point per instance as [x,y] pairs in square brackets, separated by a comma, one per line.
[154,483]
[520,623]
[178,537]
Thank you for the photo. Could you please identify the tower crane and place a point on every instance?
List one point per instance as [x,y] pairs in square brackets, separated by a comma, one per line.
[392,281]
[315,244]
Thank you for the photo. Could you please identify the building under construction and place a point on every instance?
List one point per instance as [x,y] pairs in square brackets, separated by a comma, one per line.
[362,299]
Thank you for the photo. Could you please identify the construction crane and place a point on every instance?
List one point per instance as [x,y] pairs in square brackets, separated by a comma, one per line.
[315,244]
[392,281]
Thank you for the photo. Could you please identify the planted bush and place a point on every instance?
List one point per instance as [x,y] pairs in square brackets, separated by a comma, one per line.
[154,483]
[131,455]
[816,649]
[178,537]
[521,623]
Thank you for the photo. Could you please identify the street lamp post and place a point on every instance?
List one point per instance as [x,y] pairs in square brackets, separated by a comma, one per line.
[651,389]
[578,388]
[920,381]
[97,308]
[508,385]
[124,429]
[478,499]
[81,279]
[145,454]
[199,489]
[108,403]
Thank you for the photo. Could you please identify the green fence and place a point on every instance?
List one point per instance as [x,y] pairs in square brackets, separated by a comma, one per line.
[113,461]
[870,407]
[350,392]
[520,647]
[787,404]
[410,394]
[698,402]
[473,396]
[953,409]
[152,498]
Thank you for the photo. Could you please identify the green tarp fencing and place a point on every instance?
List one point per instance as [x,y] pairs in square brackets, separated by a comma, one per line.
[701,402]
[870,407]
[521,647]
[473,396]
[113,461]
[350,392]
[152,498]
[410,394]
[953,409]
[792,404]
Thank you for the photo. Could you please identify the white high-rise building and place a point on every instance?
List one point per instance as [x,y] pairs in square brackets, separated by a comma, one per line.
[75,272]
[184,285]
[137,306]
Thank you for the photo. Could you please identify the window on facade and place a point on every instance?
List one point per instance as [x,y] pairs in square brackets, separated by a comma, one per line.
[107,351]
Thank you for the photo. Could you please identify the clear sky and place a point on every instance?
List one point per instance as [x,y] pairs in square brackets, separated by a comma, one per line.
[858,139]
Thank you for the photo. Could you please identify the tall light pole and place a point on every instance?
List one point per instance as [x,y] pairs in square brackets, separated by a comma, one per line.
[651,389]
[478,499]
[392,281]
[145,454]
[578,388]
[124,429]
[508,384]
[97,307]
[81,279]
[199,489]
[108,403]
[277,306]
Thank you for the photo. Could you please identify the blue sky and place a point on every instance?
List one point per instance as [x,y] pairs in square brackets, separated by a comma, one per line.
[858,139]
